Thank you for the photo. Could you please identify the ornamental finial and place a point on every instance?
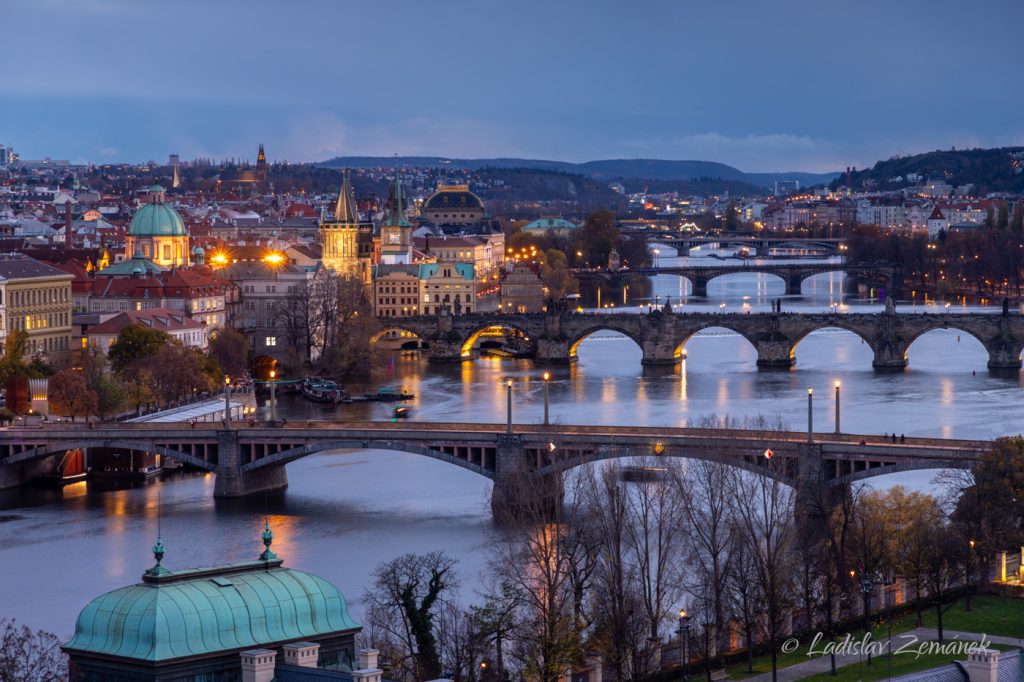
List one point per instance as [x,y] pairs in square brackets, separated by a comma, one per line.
[158,553]
[268,539]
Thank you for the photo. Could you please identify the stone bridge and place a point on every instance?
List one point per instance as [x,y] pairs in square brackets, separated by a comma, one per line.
[662,335]
[252,458]
[762,243]
[792,275]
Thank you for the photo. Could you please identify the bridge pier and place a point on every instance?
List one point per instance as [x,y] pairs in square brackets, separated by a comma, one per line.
[444,349]
[232,481]
[890,356]
[699,287]
[554,351]
[775,354]
[1003,357]
[519,493]
[794,285]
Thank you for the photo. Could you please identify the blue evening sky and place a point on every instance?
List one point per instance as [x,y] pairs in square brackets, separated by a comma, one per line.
[759,84]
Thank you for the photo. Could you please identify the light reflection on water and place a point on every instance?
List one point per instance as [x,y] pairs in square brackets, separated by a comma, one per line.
[345,512]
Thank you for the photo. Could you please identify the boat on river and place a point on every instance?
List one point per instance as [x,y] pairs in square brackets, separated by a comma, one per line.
[322,391]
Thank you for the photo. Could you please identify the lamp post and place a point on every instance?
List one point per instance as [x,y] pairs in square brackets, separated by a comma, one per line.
[547,376]
[810,415]
[508,401]
[865,585]
[684,635]
[837,407]
[273,395]
[227,401]
[970,573]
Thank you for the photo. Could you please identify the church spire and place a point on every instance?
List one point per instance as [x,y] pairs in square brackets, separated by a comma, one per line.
[396,203]
[345,210]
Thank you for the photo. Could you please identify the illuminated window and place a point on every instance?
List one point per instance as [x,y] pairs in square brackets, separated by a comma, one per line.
[271,341]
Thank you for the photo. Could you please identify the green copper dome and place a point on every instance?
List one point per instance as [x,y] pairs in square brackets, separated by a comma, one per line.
[157,220]
[176,614]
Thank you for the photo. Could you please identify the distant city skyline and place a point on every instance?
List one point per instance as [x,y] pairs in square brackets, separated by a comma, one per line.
[795,86]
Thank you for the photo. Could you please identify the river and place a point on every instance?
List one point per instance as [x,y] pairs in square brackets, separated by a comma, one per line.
[345,512]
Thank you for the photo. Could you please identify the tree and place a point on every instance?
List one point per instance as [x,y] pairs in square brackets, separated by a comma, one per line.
[231,349]
[110,393]
[731,223]
[404,601]
[133,343]
[990,508]
[69,395]
[28,655]
[1003,216]
[178,372]
[1017,218]
[13,362]
[348,339]
[596,237]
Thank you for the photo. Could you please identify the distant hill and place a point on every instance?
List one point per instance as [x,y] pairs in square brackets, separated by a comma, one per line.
[989,170]
[605,170]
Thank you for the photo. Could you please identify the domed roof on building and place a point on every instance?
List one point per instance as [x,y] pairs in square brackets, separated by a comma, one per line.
[177,614]
[457,197]
[157,220]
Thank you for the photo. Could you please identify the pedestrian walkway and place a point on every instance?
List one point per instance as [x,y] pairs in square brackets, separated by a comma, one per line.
[823,664]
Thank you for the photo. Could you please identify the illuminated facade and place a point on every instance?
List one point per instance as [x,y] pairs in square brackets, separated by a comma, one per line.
[158,233]
[347,243]
[36,298]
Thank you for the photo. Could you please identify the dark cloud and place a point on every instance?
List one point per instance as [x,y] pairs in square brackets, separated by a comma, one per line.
[764,86]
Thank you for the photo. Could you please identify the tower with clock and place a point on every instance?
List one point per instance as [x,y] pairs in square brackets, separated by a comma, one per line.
[396,230]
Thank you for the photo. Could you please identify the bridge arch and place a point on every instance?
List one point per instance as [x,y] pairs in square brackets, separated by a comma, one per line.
[474,335]
[407,334]
[484,465]
[752,270]
[55,449]
[885,469]
[748,464]
[611,326]
[836,323]
[680,350]
[940,326]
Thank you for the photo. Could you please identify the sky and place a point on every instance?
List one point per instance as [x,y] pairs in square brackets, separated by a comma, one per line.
[781,85]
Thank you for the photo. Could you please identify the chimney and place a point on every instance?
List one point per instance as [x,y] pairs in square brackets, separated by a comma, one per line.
[368,671]
[983,665]
[69,237]
[302,654]
[258,665]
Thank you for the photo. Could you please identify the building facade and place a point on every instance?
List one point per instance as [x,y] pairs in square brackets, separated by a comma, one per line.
[447,287]
[453,205]
[158,233]
[36,298]
[396,230]
[347,243]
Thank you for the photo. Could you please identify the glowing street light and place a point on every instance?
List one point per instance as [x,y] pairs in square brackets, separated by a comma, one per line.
[547,376]
[273,395]
[810,415]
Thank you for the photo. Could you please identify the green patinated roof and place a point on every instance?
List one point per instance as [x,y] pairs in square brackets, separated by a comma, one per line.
[157,220]
[177,614]
[464,270]
[137,263]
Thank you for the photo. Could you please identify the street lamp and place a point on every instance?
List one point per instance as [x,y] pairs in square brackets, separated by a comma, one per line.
[970,572]
[865,585]
[837,408]
[547,376]
[684,635]
[947,309]
[273,395]
[656,252]
[227,401]
[810,415]
[508,400]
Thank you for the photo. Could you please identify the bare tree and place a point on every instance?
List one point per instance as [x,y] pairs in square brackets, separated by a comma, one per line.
[764,510]
[28,655]
[403,602]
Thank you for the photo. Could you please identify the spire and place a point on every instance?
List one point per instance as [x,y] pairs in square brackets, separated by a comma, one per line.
[396,203]
[176,180]
[268,538]
[261,157]
[345,210]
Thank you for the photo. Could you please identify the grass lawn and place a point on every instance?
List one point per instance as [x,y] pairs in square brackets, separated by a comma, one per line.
[991,615]
[902,664]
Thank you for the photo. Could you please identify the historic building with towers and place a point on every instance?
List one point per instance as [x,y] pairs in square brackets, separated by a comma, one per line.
[347,242]
[396,230]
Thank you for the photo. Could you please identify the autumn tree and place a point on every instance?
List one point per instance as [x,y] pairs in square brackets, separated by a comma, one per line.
[231,349]
[110,393]
[177,372]
[133,343]
[69,395]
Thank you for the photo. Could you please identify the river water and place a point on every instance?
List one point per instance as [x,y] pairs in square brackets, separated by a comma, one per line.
[344,512]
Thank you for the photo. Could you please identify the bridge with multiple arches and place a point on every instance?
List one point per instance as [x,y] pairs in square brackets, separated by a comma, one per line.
[683,243]
[791,274]
[252,458]
[662,334]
